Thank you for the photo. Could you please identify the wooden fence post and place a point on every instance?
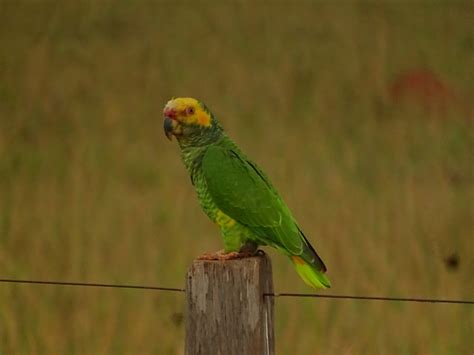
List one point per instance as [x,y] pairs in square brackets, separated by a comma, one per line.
[226,311]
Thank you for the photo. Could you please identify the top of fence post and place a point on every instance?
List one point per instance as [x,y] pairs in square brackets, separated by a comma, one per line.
[226,310]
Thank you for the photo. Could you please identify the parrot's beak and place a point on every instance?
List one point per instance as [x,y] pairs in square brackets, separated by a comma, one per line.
[168,126]
[172,127]
[171,124]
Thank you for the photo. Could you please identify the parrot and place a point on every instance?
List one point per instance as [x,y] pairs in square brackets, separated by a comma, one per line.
[236,194]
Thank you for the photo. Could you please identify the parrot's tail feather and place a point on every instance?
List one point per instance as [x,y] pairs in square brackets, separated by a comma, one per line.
[309,274]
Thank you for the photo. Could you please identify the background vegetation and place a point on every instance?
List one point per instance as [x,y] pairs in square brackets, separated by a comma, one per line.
[90,189]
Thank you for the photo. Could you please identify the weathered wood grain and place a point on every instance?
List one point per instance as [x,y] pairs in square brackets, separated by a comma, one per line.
[226,312]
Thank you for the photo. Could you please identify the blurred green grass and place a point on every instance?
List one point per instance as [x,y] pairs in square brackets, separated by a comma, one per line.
[90,190]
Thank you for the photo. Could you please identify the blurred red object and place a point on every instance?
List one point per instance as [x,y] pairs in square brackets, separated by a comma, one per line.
[424,88]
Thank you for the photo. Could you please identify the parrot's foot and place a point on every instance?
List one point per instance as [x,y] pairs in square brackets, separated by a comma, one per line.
[249,248]
[221,255]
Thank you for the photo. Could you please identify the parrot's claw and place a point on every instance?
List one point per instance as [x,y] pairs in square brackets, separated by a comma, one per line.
[221,255]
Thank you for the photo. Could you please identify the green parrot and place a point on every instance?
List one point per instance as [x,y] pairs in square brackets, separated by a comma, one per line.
[236,194]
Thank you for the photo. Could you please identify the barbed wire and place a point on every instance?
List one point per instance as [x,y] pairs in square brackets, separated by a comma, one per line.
[302,295]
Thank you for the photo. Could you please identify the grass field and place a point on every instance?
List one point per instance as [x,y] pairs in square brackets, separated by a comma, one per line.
[91,190]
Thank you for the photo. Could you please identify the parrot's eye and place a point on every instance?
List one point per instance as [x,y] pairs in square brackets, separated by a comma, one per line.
[190,110]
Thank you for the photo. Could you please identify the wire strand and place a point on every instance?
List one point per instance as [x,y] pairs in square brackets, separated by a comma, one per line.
[371,298]
[301,295]
[89,284]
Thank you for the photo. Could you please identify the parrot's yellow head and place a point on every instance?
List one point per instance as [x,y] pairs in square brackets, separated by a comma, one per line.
[189,121]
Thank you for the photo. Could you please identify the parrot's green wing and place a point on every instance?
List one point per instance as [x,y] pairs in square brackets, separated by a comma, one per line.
[241,190]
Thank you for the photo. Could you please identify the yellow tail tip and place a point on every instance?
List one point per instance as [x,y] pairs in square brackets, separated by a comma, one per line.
[309,274]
